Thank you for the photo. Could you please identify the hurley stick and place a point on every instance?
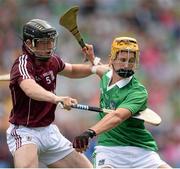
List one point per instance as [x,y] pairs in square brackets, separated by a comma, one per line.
[69,21]
[148,115]
[5,77]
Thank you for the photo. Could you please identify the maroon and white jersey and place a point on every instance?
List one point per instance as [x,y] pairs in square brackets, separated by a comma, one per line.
[26,111]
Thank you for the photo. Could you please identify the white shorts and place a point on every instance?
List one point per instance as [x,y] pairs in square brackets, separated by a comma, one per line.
[52,145]
[126,157]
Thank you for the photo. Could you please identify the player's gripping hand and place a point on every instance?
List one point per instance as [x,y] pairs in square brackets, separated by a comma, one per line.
[66,102]
[80,143]
[88,52]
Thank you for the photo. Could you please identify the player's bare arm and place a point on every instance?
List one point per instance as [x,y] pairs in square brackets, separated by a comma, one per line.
[88,52]
[36,92]
[76,70]
[100,70]
[109,121]
[97,67]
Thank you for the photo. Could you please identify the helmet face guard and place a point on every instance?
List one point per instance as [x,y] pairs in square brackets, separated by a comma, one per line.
[43,48]
[129,46]
[43,38]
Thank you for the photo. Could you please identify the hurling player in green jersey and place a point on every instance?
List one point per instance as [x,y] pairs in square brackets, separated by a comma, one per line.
[122,141]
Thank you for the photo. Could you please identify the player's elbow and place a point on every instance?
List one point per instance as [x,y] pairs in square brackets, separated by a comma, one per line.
[29,87]
[121,116]
[117,118]
[29,92]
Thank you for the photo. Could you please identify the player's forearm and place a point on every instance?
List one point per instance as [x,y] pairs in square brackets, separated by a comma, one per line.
[79,71]
[42,95]
[36,92]
[101,69]
[110,121]
[82,70]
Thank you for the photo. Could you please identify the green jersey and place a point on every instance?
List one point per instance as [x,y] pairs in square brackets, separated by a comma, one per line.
[130,94]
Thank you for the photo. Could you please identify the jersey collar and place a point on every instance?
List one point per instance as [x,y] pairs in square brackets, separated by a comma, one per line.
[121,83]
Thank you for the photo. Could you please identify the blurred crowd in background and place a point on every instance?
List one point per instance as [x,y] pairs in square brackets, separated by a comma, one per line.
[156,26]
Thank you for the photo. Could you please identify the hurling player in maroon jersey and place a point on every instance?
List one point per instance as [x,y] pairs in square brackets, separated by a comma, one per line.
[31,136]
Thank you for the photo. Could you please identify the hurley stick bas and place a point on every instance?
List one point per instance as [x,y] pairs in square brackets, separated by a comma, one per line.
[69,21]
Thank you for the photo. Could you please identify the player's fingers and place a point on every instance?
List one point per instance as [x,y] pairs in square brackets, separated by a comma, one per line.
[84,50]
[77,143]
[74,102]
[81,143]
[68,102]
[85,147]
[86,142]
[86,54]
[74,144]
[79,150]
[88,51]
[67,106]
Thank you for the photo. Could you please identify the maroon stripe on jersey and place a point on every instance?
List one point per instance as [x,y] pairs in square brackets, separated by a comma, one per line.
[17,138]
[23,67]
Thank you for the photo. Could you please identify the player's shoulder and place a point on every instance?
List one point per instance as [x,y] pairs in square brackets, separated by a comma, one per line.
[137,85]
[23,63]
[57,60]
[23,58]
[135,81]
